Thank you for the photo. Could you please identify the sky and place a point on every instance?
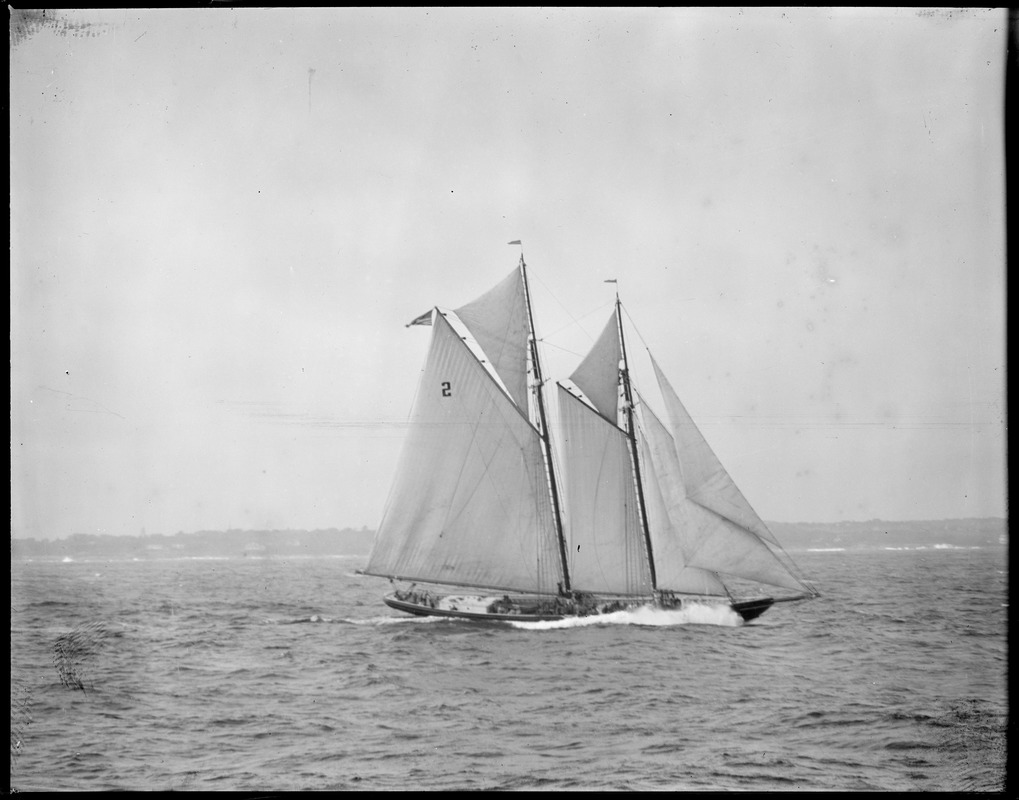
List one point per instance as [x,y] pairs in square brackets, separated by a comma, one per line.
[222,220]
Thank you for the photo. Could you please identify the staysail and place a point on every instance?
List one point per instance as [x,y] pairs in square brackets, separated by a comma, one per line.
[673,568]
[694,536]
[705,479]
[470,503]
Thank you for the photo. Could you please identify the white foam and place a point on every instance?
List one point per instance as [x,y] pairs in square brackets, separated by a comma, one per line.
[689,614]
[413,620]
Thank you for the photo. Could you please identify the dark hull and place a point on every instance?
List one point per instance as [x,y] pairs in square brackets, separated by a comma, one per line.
[747,609]
[752,609]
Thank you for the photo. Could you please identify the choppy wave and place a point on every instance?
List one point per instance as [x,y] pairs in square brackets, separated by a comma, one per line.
[272,675]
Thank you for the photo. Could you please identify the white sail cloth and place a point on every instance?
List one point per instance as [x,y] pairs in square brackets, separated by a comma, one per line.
[700,525]
[498,322]
[690,535]
[597,376]
[704,478]
[602,522]
[470,504]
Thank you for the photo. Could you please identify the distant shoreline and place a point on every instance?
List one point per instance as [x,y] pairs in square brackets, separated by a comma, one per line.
[232,543]
[794,536]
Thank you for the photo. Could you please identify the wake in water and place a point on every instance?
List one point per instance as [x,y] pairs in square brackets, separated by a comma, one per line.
[314,618]
[318,619]
[648,616]
[689,614]
[406,620]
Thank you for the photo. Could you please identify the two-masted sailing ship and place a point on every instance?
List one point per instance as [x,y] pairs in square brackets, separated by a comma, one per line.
[491,516]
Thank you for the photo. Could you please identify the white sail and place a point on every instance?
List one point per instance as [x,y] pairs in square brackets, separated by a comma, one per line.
[470,503]
[697,536]
[671,568]
[498,322]
[636,506]
[598,374]
[602,520]
[704,478]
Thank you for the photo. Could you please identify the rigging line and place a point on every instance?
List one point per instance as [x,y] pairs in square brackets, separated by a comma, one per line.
[790,564]
[576,321]
[557,347]
[568,312]
[636,329]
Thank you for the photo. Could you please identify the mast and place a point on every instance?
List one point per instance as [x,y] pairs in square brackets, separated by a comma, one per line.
[545,438]
[632,436]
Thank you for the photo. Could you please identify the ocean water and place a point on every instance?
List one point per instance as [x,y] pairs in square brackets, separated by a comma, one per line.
[288,675]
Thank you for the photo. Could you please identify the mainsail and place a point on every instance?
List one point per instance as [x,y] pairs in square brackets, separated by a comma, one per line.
[470,504]
[602,526]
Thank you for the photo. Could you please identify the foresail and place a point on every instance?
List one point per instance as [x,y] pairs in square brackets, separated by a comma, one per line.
[705,479]
[697,536]
[602,523]
[470,504]
[598,374]
[498,322]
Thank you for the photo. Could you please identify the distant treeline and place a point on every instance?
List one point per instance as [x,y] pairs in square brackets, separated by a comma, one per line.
[349,541]
[226,544]
[974,532]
